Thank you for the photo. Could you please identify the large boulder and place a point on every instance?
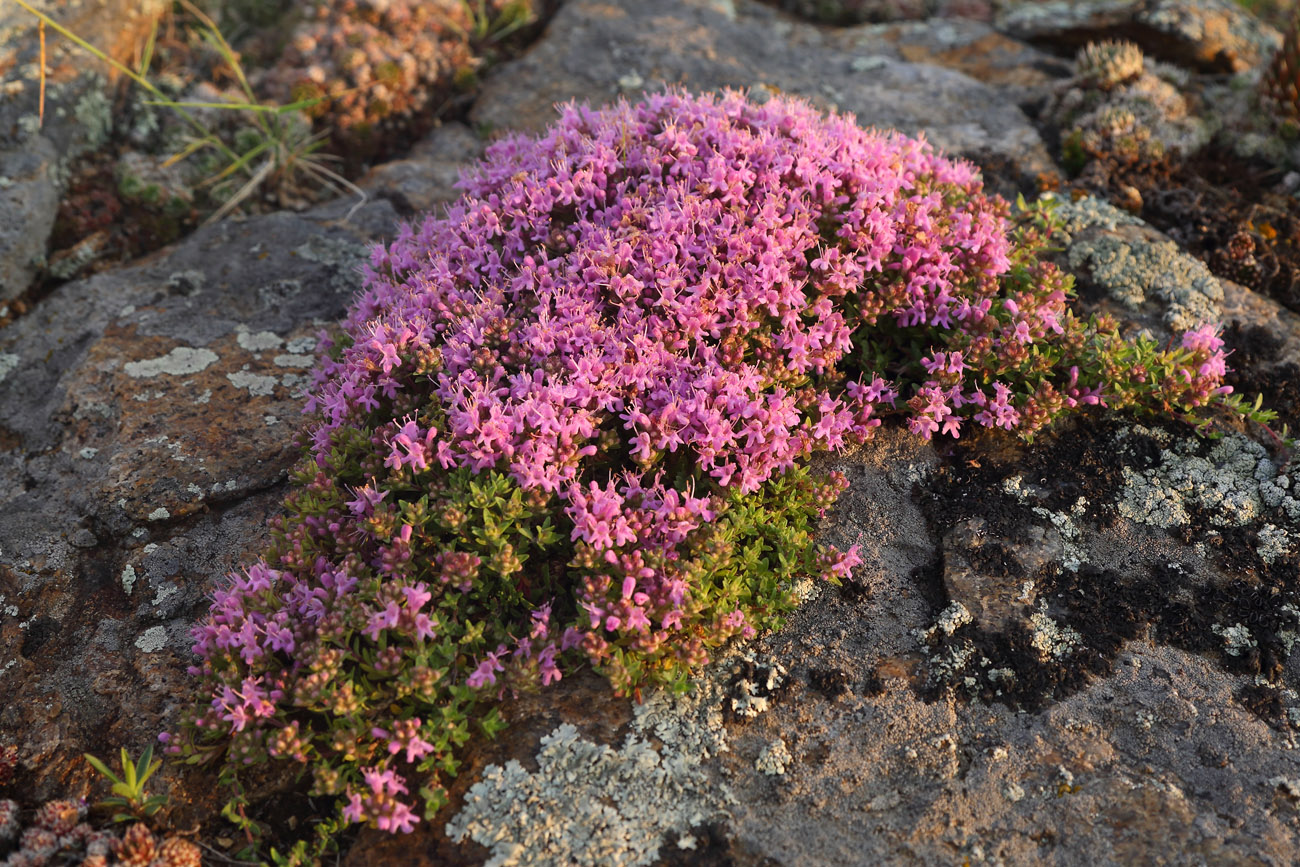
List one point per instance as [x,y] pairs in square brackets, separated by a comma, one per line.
[599,50]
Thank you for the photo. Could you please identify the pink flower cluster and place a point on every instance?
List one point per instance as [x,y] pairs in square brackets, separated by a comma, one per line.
[635,320]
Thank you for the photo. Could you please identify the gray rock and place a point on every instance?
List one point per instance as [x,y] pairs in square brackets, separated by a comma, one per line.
[1020,73]
[29,202]
[598,50]
[426,177]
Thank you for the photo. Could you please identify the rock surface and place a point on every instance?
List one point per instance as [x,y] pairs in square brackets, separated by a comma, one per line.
[148,418]
[1072,652]
[599,50]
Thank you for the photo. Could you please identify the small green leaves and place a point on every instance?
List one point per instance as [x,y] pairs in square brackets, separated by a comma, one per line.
[128,790]
[492,723]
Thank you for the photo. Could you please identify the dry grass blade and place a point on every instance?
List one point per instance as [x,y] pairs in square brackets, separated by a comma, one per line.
[40,110]
[335,181]
[263,172]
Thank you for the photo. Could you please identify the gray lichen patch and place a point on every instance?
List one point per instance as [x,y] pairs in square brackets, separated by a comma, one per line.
[1089,212]
[1234,482]
[603,806]
[257,342]
[1131,271]
[256,384]
[592,804]
[1051,639]
[751,697]
[774,759]
[1236,638]
[952,618]
[1072,554]
[180,361]
[152,639]
[8,362]
[1274,543]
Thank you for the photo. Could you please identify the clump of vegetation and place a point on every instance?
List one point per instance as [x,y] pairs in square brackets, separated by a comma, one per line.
[1279,88]
[1110,63]
[203,135]
[376,72]
[1116,108]
[568,424]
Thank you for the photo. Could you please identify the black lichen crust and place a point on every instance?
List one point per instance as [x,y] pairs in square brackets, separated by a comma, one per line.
[1169,603]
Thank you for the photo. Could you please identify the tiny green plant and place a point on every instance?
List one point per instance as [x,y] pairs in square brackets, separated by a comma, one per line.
[494,24]
[129,799]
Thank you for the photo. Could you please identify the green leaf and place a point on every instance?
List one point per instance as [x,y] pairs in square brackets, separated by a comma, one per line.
[146,57]
[129,770]
[146,766]
[101,767]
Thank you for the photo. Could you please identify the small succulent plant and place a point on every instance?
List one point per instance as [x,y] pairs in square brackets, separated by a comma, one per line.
[129,798]
[1117,109]
[1109,64]
[377,69]
[1280,85]
[58,834]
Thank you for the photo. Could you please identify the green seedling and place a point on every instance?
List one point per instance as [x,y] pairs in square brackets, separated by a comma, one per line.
[129,798]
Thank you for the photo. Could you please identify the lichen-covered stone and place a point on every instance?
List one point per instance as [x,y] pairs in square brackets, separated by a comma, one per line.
[1207,35]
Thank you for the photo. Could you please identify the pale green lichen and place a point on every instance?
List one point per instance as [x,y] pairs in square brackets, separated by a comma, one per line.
[774,759]
[953,618]
[94,115]
[152,639]
[1072,553]
[256,384]
[592,804]
[180,361]
[1132,271]
[257,342]
[1236,638]
[751,697]
[1086,213]
[1051,639]
[1234,482]
[1274,543]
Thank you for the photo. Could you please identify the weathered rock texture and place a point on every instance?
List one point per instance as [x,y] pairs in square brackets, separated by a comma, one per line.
[1076,652]
[598,51]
